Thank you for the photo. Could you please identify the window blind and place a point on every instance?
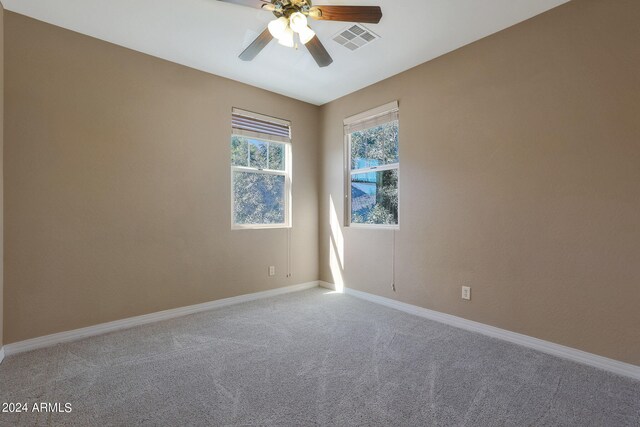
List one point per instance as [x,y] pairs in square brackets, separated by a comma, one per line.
[372,118]
[254,125]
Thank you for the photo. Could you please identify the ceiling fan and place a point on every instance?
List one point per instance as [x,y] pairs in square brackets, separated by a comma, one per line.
[291,19]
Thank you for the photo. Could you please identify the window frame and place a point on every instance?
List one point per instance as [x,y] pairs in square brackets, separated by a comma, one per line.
[348,172]
[287,184]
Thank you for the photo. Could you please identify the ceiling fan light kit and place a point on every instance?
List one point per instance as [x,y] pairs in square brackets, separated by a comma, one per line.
[306,34]
[286,38]
[292,18]
[297,21]
[283,29]
[277,27]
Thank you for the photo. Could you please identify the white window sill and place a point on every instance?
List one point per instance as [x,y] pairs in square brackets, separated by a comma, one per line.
[374,226]
[259,227]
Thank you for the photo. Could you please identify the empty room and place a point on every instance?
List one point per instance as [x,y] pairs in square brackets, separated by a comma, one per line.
[320,213]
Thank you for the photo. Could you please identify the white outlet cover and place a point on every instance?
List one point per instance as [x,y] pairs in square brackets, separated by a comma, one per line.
[466,293]
[272,271]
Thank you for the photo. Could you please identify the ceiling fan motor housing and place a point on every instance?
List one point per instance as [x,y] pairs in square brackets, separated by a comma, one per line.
[288,7]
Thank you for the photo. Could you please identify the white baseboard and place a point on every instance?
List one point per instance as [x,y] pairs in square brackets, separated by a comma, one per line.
[103,328]
[569,353]
[1,354]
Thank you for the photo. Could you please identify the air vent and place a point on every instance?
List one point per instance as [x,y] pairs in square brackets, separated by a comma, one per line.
[355,36]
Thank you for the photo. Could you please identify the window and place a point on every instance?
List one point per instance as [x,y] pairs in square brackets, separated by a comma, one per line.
[260,171]
[373,166]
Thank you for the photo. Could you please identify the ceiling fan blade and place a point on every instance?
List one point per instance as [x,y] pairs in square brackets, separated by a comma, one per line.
[256,46]
[256,4]
[318,52]
[365,14]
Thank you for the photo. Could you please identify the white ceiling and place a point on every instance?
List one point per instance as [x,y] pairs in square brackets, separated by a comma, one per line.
[209,35]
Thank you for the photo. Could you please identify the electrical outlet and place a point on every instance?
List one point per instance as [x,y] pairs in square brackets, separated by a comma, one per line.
[272,271]
[393,287]
[466,293]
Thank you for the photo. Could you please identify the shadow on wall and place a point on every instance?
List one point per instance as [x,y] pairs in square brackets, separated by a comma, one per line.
[336,248]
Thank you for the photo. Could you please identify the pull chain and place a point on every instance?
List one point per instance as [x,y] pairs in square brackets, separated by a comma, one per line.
[393,262]
[289,252]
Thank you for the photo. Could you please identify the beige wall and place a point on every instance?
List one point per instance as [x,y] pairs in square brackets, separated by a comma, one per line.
[118,185]
[520,177]
[1,163]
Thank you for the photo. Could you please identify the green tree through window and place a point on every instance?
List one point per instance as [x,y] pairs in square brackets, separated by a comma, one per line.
[374,164]
[259,182]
